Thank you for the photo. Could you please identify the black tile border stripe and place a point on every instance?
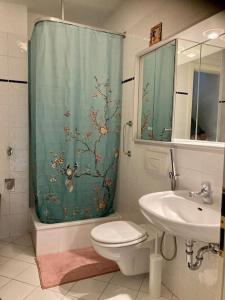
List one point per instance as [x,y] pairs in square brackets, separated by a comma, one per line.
[127,80]
[13,81]
[182,93]
[222,101]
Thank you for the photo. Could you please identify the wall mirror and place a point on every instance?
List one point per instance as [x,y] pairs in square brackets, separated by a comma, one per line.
[180,86]
[199,112]
[155,112]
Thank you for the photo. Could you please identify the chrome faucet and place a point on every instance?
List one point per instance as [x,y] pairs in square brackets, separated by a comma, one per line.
[173,174]
[205,193]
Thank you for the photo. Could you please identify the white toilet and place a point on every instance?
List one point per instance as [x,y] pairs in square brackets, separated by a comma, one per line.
[127,243]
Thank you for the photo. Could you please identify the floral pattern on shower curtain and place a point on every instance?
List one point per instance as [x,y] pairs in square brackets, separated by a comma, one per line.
[75,103]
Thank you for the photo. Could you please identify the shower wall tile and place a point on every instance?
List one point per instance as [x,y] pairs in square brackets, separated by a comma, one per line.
[19,161]
[17,68]
[17,45]
[13,119]
[5,204]
[3,43]
[19,138]
[18,203]
[4,116]
[18,94]
[4,93]
[18,116]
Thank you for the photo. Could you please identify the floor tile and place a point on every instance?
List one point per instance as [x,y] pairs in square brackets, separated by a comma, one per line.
[105,277]
[69,298]
[23,240]
[88,289]
[145,285]
[15,290]
[145,288]
[116,292]
[11,250]
[27,255]
[3,281]
[39,294]
[146,296]
[30,276]
[13,267]
[130,282]
[62,289]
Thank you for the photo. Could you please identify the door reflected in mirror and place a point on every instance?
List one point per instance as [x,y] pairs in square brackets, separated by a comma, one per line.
[199,112]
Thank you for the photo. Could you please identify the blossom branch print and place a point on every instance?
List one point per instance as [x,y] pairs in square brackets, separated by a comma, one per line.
[89,142]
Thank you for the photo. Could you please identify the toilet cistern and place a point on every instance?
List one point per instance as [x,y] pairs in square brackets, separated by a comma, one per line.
[205,193]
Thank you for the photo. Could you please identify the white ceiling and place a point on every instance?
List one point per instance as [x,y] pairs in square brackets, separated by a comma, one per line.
[91,12]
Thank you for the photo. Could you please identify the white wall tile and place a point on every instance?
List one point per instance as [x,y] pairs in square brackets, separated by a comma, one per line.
[13,18]
[4,226]
[17,45]
[4,138]
[18,203]
[19,224]
[5,204]
[18,94]
[4,116]
[3,43]
[18,116]
[19,161]
[18,138]
[4,93]
[17,68]
[4,68]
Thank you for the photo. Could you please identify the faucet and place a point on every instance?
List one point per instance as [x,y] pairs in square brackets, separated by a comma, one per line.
[205,193]
[173,174]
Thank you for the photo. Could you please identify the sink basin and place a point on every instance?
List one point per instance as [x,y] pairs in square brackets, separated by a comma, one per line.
[179,214]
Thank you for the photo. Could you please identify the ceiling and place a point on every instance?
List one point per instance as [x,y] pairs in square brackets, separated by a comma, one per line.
[91,12]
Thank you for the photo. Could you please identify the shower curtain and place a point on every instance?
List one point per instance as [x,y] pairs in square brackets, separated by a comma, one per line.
[75,102]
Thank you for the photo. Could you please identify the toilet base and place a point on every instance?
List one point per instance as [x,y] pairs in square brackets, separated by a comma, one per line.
[132,260]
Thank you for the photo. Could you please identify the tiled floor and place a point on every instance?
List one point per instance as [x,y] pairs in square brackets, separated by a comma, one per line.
[19,280]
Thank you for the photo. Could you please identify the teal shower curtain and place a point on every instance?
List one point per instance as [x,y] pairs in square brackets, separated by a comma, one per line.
[75,102]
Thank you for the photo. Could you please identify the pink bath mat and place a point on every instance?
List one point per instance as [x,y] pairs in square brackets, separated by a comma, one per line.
[59,268]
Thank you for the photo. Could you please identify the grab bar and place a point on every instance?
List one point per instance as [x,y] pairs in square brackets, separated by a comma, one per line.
[130,124]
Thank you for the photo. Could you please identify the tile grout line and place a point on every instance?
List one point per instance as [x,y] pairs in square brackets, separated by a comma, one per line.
[107,284]
[140,287]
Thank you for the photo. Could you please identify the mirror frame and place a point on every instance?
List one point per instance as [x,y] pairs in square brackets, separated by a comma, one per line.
[137,105]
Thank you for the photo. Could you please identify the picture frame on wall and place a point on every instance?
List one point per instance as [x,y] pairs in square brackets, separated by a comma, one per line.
[155,34]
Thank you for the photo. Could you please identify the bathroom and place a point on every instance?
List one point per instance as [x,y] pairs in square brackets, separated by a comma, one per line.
[144,160]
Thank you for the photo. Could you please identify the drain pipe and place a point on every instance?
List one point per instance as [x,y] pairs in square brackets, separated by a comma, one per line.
[211,247]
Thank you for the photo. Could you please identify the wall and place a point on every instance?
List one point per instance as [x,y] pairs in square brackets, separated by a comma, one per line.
[136,176]
[13,119]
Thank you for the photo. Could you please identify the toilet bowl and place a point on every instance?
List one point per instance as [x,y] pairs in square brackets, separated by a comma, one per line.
[126,243]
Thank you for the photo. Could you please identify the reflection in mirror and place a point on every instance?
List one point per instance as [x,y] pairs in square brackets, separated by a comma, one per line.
[199,106]
[155,98]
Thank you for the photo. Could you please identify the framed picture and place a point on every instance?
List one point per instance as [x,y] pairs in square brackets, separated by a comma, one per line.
[155,34]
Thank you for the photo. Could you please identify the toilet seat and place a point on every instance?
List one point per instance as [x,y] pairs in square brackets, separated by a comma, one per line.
[118,234]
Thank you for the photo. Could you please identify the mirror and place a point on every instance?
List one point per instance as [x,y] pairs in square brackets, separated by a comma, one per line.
[155,99]
[199,111]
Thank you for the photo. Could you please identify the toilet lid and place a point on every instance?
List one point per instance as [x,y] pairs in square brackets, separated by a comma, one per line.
[117,232]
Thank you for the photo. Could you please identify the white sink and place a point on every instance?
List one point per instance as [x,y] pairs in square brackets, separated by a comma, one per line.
[178,213]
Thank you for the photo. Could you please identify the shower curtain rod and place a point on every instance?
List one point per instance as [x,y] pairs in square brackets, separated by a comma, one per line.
[77,24]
